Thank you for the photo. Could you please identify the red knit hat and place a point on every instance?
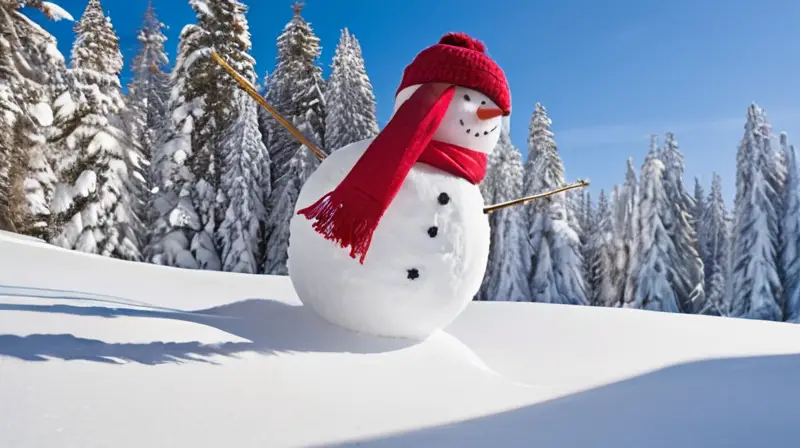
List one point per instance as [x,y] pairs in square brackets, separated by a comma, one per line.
[462,61]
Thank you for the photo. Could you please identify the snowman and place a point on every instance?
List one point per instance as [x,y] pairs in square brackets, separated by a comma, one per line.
[389,236]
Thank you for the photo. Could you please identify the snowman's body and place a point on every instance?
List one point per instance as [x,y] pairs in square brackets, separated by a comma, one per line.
[428,254]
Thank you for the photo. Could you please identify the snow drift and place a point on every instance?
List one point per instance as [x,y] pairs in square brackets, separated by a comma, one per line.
[100,352]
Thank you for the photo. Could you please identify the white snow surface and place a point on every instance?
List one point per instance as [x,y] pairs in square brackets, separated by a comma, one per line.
[101,352]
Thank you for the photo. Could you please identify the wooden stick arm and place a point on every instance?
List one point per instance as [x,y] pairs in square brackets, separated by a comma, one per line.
[253,93]
[493,208]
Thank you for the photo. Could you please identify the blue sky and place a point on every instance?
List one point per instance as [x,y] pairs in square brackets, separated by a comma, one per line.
[609,73]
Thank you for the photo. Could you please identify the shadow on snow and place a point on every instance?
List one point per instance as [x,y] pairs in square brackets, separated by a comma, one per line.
[730,402]
[270,327]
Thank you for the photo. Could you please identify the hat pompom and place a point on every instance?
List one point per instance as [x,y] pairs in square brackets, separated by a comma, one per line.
[464,41]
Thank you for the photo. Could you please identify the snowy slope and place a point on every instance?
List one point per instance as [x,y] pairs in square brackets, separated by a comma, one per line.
[100,353]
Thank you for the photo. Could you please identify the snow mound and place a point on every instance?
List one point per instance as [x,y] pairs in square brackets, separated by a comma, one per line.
[99,352]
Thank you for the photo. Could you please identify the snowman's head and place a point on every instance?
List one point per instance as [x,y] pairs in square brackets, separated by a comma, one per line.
[482,96]
[472,120]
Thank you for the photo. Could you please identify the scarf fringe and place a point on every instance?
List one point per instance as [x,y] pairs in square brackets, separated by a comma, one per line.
[339,218]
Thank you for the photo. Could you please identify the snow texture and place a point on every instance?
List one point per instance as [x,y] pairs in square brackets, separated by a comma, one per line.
[42,113]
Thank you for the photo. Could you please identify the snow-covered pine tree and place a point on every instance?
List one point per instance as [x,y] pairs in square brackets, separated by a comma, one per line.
[295,90]
[587,223]
[715,243]
[755,288]
[556,266]
[350,101]
[790,259]
[12,160]
[587,212]
[40,180]
[239,234]
[696,216]
[12,165]
[190,157]
[148,91]
[778,167]
[575,217]
[601,253]
[31,70]
[45,73]
[656,252]
[688,280]
[171,233]
[99,171]
[626,237]
[505,278]
[265,121]
[282,203]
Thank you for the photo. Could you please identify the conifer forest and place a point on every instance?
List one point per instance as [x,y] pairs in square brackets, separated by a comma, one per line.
[182,168]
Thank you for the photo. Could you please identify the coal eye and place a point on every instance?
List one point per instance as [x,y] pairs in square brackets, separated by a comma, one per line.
[483,102]
[466,97]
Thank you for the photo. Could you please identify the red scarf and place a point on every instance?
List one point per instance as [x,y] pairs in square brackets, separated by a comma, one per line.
[350,213]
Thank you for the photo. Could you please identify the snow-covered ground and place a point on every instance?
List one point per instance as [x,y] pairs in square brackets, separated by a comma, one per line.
[102,353]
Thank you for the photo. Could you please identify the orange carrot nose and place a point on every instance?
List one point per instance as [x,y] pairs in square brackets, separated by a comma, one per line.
[485,113]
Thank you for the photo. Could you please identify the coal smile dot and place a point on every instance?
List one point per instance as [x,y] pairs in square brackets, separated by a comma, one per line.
[477,134]
[413,274]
